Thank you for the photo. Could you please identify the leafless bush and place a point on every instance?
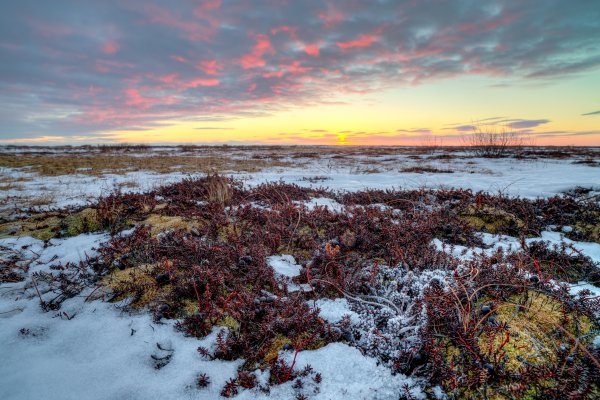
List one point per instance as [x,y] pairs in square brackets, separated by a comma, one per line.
[218,188]
[494,141]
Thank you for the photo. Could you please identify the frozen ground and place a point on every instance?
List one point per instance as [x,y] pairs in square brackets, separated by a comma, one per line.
[352,170]
[94,350]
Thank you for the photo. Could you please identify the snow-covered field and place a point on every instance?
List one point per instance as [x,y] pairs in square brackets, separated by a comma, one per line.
[510,176]
[91,349]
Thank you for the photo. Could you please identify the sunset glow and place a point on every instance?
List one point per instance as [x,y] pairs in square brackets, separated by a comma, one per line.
[296,72]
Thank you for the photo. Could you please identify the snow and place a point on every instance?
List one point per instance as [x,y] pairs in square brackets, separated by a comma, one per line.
[495,242]
[346,373]
[73,249]
[285,268]
[99,354]
[592,250]
[515,177]
[508,176]
[284,265]
[577,288]
[328,203]
[333,310]
[102,352]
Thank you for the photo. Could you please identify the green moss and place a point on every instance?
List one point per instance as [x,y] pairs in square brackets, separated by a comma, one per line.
[45,226]
[590,232]
[276,346]
[159,223]
[137,283]
[534,320]
[491,220]
[229,322]
[83,222]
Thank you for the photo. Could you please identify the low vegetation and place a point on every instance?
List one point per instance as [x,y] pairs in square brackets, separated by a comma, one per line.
[500,325]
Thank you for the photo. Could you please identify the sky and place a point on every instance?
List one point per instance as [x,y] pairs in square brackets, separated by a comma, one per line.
[372,72]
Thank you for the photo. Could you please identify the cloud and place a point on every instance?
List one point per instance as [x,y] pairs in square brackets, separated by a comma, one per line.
[89,68]
[463,128]
[110,47]
[592,113]
[213,128]
[525,123]
[517,124]
[415,130]
[361,41]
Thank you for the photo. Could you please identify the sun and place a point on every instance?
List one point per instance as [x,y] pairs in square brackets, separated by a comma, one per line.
[341,139]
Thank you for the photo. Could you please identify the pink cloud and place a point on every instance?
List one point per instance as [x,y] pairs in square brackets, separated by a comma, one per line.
[331,17]
[180,59]
[195,30]
[361,41]
[293,32]
[207,5]
[170,78]
[210,67]
[312,49]
[295,68]
[110,47]
[255,58]
[203,82]
[273,74]
[135,98]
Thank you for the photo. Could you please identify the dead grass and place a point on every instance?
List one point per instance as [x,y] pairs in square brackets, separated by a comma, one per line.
[219,189]
[98,160]
[102,163]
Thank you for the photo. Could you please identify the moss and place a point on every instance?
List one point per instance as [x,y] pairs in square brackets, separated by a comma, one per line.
[534,325]
[189,307]
[159,223]
[276,346]
[137,283]
[534,320]
[492,220]
[229,322]
[589,232]
[226,231]
[42,227]
[82,222]
[45,226]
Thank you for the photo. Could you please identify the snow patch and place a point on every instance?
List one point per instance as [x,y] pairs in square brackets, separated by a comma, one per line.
[346,374]
[334,310]
[286,268]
